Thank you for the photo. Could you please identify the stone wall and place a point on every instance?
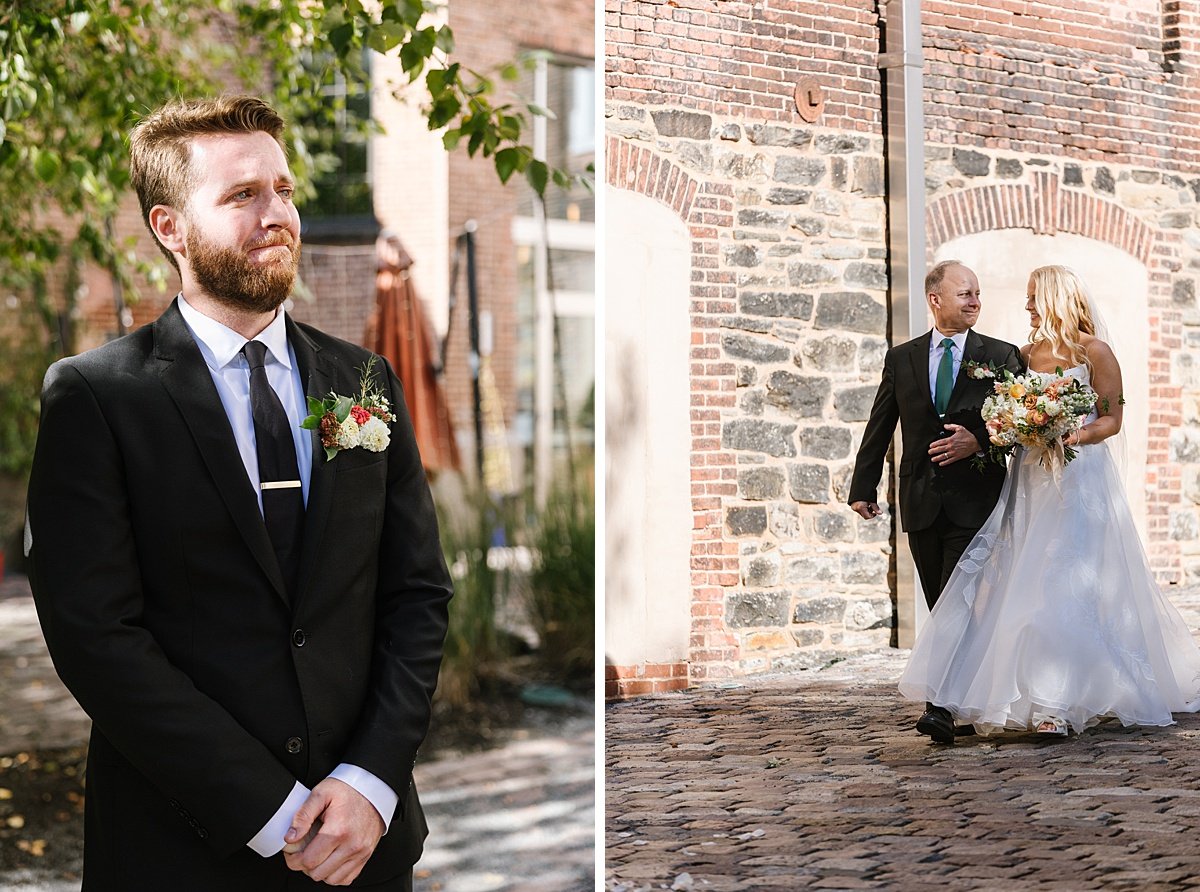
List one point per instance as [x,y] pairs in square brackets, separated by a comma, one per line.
[1038,120]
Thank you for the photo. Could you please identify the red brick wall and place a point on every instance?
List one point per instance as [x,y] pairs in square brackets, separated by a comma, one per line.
[732,57]
[1083,79]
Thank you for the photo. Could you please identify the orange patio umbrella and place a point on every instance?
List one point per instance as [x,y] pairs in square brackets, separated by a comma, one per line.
[399,332]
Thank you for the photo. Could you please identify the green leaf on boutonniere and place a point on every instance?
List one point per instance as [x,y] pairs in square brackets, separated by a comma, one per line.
[330,452]
[312,422]
[341,409]
[316,406]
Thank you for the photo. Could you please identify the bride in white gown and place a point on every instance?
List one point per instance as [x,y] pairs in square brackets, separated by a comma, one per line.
[1052,619]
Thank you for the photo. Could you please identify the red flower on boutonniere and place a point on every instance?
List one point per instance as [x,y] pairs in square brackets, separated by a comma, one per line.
[345,422]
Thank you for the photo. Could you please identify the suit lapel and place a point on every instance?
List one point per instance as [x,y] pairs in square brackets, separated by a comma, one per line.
[319,380]
[187,379]
[972,352]
[919,359]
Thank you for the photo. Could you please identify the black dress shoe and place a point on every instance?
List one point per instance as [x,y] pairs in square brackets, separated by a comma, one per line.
[936,723]
[964,730]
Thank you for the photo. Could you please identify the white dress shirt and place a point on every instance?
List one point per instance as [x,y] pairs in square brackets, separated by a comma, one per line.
[935,356]
[221,348]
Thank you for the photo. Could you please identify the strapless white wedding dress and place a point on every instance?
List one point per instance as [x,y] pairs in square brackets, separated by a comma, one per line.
[1053,611]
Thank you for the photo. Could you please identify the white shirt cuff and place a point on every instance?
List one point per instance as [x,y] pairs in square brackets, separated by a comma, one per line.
[374,790]
[269,840]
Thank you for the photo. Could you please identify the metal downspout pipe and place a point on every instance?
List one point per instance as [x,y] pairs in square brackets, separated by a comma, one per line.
[904,148]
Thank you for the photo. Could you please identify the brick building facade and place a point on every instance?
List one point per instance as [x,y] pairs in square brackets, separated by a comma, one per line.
[1053,133]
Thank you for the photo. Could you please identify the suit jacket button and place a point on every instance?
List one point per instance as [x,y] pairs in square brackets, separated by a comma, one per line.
[298,638]
[294,745]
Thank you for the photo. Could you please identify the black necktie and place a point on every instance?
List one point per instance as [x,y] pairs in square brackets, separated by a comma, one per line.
[278,473]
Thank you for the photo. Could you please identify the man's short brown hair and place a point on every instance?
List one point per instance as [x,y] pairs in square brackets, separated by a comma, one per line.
[160,156]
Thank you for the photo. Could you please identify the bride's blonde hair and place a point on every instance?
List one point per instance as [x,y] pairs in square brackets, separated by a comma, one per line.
[1063,303]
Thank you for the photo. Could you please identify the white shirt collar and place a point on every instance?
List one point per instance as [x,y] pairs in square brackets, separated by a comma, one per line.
[221,345]
[960,340]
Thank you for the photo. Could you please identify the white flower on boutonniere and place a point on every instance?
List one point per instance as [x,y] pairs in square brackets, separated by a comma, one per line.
[980,371]
[348,422]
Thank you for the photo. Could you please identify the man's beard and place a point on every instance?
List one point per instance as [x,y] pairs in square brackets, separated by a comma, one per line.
[229,276]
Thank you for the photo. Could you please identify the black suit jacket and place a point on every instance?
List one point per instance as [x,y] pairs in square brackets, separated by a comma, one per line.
[967,494]
[210,686]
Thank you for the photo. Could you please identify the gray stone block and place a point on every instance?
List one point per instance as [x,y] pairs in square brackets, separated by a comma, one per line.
[810,568]
[1102,181]
[730,132]
[829,443]
[799,171]
[809,483]
[770,135]
[789,196]
[741,346]
[696,155]
[746,521]
[810,273]
[834,526]
[1183,292]
[810,226]
[786,304]
[871,353]
[760,217]
[746,375]
[755,609]
[757,484]
[864,615]
[691,125]
[867,275]
[743,255]
[1072,175]
[864,567]
[783,520]
[854,403]
[756,435]
[742,167]
[868,177]
[851,311]
[831,354]
[1009,168]
[798,395]
[827,609]
[807,637]
[839,144]
[761,570]
[752,402]
[837,173]
[970,163]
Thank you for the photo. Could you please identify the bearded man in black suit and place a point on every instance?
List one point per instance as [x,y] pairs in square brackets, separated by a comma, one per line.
[934,386]
[254,630]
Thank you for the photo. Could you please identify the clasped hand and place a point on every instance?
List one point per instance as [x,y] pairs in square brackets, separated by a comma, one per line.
[333,834]
[960,443]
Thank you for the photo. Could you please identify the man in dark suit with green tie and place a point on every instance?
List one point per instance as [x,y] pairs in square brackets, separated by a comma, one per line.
[944,500]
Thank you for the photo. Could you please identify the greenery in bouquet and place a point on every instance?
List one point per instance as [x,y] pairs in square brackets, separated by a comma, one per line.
[1037,412]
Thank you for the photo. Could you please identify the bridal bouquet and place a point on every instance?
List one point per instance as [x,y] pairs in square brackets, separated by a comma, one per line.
[1036,411]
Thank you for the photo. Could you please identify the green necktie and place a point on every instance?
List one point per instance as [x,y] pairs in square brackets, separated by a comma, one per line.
[945,378]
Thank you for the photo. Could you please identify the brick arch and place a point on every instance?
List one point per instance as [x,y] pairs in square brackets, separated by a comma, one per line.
[1041,206]
[640,170]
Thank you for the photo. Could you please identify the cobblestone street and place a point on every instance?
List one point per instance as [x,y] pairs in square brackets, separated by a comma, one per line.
[818,780]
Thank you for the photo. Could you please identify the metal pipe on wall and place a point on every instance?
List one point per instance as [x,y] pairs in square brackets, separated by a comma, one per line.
[902,64]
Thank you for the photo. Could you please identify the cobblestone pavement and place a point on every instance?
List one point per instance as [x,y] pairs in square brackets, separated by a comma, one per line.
[521,816]
[818,780]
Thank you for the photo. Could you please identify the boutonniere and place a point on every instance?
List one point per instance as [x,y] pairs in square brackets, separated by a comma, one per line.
[346,422]
[980,371]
